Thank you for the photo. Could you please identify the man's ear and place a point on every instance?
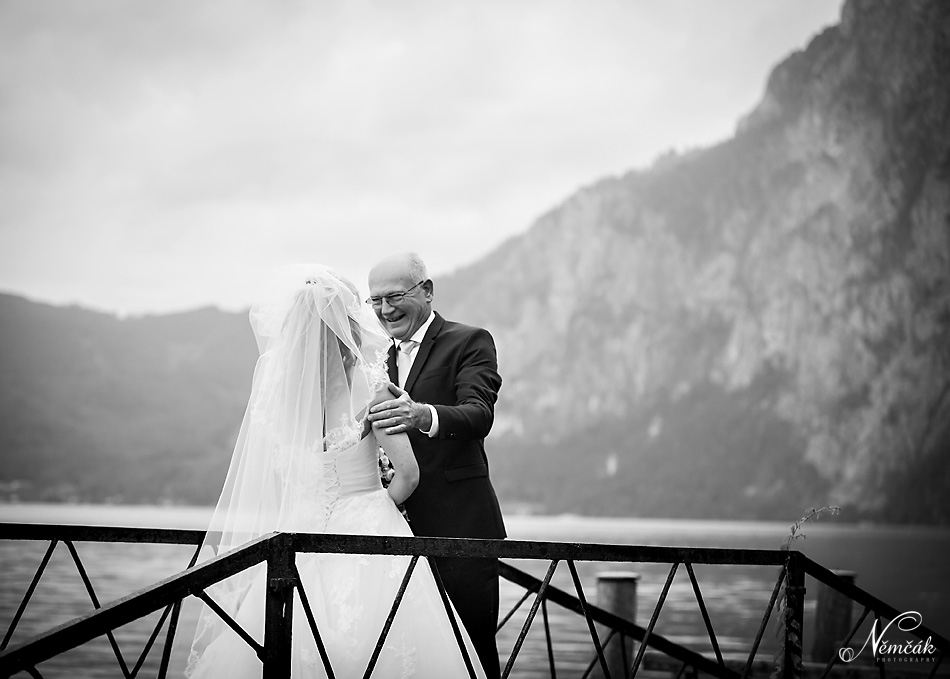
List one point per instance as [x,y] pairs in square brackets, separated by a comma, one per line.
[429,287]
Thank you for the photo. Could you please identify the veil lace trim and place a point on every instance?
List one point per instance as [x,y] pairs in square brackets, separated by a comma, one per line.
[377,371]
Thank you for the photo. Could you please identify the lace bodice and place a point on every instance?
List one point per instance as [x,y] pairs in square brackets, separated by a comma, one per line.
[349,468]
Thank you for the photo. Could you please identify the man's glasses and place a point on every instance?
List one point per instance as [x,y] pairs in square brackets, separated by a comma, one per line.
[391,299]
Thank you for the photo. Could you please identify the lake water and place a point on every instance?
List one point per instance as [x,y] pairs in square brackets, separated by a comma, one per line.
[905,566]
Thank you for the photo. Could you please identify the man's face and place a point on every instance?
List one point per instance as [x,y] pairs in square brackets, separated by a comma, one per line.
[404,317]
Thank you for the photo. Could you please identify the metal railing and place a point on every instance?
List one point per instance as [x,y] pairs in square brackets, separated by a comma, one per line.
[279,551]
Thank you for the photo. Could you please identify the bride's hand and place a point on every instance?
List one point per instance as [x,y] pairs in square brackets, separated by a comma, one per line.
[400,414]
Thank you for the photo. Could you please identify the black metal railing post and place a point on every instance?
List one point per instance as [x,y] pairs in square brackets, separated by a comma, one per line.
[792,667]
[279,609]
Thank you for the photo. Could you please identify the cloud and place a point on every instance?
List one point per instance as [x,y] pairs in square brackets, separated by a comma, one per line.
[157,156]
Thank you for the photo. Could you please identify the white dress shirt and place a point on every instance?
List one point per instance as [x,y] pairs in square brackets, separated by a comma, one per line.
[417,338]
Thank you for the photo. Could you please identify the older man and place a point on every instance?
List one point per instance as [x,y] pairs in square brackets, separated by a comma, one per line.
[449,375]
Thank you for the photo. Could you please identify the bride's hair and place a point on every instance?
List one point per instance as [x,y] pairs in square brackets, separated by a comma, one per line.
[349,357]
[305,307]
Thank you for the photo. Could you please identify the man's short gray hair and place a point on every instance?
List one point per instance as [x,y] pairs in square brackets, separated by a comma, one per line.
[417,268]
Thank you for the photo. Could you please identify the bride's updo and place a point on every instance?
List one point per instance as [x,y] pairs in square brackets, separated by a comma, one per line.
[340,297]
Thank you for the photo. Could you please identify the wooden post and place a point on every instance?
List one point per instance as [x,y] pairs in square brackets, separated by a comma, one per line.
[792,665]
[832,619]
[279,610]
[617,593]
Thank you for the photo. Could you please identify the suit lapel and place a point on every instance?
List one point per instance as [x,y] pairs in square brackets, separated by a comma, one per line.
[423,353]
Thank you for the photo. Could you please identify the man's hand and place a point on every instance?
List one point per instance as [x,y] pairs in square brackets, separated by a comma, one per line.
[400,414]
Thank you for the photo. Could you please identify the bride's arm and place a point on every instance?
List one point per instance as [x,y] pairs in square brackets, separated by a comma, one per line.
[399,452]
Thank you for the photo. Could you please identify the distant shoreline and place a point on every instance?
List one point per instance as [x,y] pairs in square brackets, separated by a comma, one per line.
[519,524]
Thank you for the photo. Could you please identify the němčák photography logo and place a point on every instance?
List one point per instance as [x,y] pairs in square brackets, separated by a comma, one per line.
[894,643]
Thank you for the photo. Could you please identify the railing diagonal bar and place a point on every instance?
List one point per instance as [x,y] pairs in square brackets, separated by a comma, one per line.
[623,653]
[231,622]
[705,613]
[858,595]
[547,637]
[173,625]
[590,621]
[593,661]
[514,610]
[173,609]
[151,640]
[450,612]
[392,615]
[132,607]
[29,593]
[631,629]
[933,671]
[765,621]
[854,630]
[317,638]
[95,602]
[880,665]
[529,619]
[653,619]
[33,672]
[169,640]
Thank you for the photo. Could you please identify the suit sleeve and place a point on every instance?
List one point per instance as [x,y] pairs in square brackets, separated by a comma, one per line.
[476,389]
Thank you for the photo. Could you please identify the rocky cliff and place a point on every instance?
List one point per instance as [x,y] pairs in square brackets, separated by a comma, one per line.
[753,328]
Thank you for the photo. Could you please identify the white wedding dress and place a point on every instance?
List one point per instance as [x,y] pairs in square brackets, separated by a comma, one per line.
[351,596]
[330,486]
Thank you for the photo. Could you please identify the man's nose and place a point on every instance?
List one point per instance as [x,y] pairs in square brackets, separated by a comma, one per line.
[386,306]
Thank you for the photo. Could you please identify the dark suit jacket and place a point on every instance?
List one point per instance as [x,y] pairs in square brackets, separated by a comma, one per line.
[455,370]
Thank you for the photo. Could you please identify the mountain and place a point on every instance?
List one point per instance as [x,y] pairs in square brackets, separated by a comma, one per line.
[753,328]
[741,331]
[96,408]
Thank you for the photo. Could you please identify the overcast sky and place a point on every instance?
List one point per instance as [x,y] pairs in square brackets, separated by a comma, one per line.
[163,155]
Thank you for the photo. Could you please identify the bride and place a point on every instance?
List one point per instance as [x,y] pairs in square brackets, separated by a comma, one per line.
[306,460]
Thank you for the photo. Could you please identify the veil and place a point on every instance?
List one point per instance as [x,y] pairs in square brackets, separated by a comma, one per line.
[322,359]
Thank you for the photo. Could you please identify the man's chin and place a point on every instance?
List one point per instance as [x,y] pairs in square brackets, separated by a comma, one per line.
[395,330]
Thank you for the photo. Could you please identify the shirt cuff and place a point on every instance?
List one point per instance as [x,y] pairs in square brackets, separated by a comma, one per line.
[434,429]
